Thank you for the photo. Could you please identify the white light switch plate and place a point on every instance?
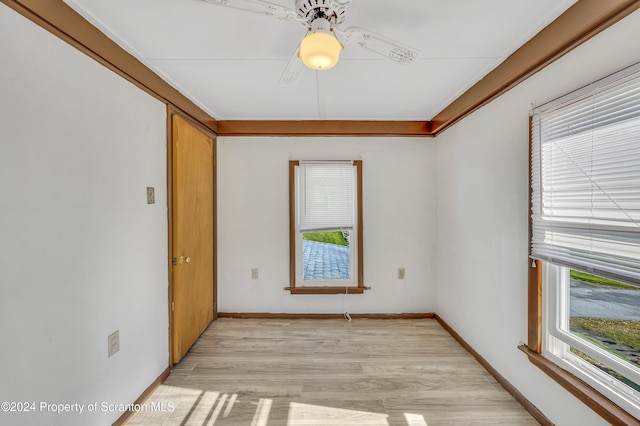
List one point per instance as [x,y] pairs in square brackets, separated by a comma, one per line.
[151,195]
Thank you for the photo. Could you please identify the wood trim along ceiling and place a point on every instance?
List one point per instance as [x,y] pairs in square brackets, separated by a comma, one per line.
[65,23]
[323,128]
[579,23]
[576,25]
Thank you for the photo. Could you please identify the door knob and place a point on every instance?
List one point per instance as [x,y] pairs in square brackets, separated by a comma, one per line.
[182,260]
[187,259]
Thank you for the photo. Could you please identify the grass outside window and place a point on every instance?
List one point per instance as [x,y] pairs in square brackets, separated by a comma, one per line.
[332,237]
[619,337]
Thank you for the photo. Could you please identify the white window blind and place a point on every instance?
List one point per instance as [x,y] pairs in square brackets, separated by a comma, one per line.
[585,164]
[325,195]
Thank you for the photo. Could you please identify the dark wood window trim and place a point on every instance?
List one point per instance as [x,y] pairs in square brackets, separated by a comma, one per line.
[534,342]
[360,287]
[591,397]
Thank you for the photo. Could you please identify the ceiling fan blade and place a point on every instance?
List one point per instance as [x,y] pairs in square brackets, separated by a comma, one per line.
[340,8]
[381,45]
[258,6]
[292,71]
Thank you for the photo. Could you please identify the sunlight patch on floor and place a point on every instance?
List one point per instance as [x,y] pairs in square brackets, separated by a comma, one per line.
[415,419]
[171,405]
[262,412]
[192,407]
[202,408]
[232,400]
[307,414]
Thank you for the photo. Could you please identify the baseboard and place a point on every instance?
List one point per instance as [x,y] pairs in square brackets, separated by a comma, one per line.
[142,398]
[268,315]
[528,405]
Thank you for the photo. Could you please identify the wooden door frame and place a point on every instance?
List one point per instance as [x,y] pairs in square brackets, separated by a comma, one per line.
[171,111]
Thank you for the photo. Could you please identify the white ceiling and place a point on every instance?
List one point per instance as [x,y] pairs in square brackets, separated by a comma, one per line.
[229,61]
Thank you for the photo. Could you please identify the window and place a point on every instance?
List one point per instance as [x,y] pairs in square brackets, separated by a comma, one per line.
[585,202]
[593,331]
[325,227]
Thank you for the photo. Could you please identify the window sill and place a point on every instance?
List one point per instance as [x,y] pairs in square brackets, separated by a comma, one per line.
[326,290]
[584,392]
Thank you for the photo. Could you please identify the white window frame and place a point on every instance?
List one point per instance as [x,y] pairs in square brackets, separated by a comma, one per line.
[557,341]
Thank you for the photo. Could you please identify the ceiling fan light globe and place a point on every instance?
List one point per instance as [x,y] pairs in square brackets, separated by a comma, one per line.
[320,50]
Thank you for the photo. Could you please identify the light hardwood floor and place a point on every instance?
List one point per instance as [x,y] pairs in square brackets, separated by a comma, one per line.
[329,372]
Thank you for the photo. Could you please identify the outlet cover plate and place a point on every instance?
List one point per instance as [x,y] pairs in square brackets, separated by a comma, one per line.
[401,273]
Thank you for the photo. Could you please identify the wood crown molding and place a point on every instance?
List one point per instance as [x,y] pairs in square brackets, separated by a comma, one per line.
[65,23]
[579,23]
[323,128]
[576,25]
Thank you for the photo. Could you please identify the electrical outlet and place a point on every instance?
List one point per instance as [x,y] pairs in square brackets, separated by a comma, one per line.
[401,273]
[114,343]
[151,195]
[254,273]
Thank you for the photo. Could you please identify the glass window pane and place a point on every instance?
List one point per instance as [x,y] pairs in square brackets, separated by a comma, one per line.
[326,255]
[606,313]
[605,369]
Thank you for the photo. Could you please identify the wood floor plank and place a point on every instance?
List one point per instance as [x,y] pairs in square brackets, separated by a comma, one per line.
[329,372]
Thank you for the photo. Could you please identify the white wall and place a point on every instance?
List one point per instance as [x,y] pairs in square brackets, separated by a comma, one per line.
[253,223]
[81,253]
[482,210]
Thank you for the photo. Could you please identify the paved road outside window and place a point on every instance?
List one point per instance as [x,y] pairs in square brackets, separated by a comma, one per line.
[324,261]
[593,301]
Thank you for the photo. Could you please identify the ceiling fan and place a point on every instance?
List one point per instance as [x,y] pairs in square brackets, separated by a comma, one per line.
[320,48]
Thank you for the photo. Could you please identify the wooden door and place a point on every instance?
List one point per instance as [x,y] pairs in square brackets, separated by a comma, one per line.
[192,235]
